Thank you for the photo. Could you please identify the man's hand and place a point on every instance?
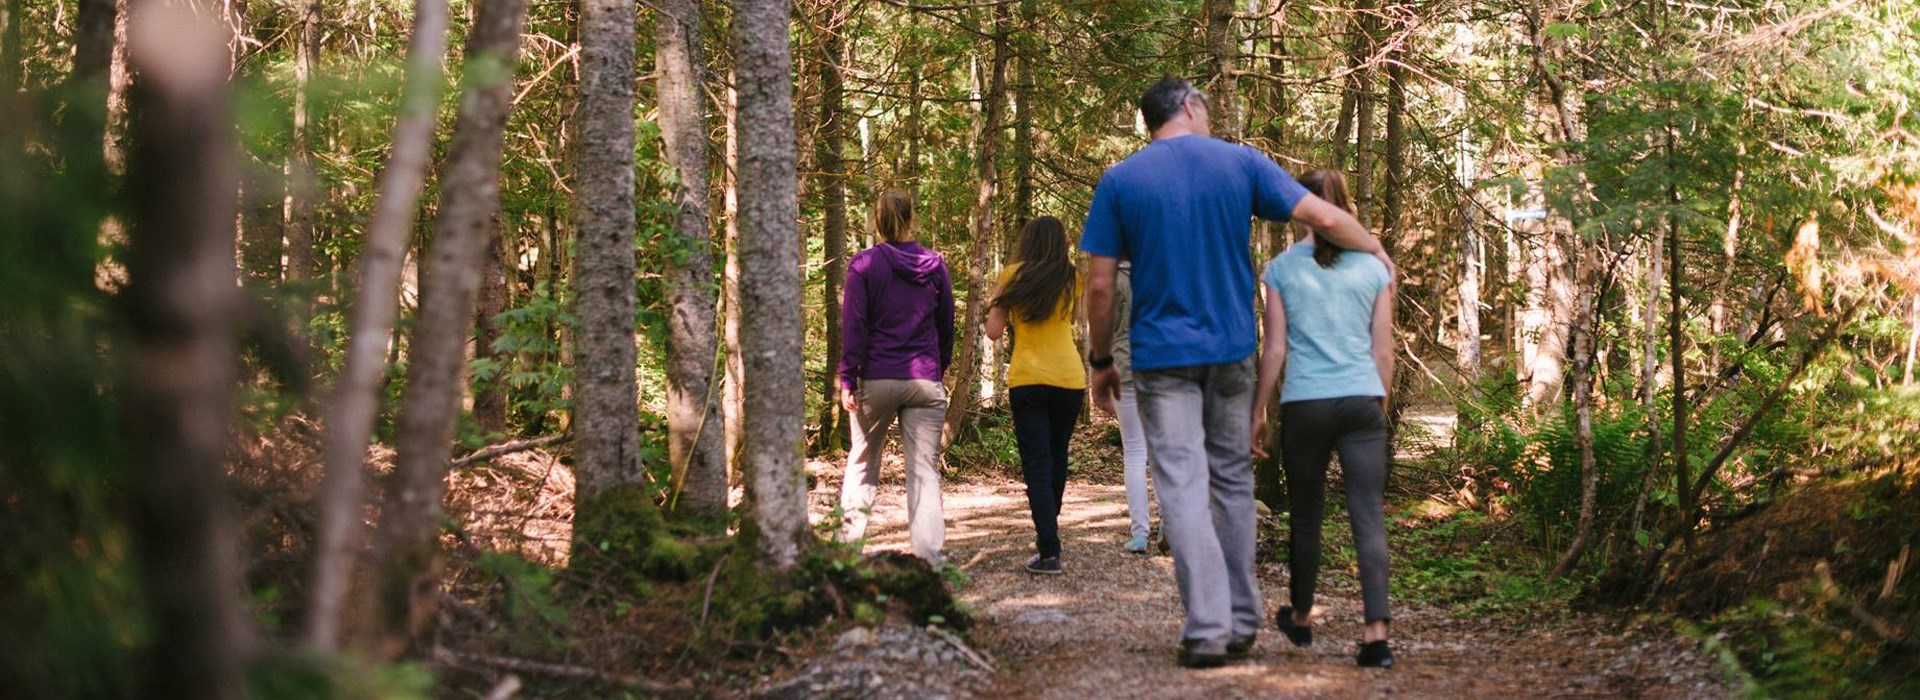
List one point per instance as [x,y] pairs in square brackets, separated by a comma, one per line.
[1393,273]
[1106,388]
[850,401]
[1259,433]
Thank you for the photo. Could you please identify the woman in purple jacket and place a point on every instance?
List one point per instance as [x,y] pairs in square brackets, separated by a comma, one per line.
[897,333]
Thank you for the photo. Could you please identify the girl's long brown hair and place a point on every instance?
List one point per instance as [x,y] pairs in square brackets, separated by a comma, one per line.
[1329,185]
[893,216]
[1046,277]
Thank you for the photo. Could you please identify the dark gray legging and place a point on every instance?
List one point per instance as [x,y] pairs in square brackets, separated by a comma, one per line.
[1310,432]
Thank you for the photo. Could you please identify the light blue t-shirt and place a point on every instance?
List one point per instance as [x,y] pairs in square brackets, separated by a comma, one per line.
[1182,210]
[1329,322]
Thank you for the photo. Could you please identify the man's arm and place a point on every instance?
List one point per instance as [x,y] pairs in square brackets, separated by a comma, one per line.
[1339,227]
[1104,382]
[1098,303]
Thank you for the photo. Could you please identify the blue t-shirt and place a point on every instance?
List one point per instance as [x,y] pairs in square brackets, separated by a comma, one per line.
[1182,210]
[1329,322]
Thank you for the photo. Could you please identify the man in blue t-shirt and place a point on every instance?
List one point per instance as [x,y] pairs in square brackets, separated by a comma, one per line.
[1181,209]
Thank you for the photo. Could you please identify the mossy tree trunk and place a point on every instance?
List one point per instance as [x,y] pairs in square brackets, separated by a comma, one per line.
[774,388]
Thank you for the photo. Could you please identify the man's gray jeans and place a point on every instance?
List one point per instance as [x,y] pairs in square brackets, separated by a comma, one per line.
[1197,436]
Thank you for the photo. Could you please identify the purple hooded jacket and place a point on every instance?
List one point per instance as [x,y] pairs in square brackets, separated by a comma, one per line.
[897,318]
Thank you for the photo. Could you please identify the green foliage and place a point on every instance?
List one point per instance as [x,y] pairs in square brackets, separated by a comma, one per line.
[526,359]
[833,581]
[1795,652]
[303,677]
[622,541]
[1538,462]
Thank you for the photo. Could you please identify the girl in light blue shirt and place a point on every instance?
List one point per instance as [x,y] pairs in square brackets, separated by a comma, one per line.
[1330,326]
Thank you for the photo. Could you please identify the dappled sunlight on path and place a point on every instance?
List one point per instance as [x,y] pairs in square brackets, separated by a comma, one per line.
[1107,628]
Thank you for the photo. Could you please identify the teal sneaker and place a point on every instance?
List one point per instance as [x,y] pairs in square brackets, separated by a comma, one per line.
[1137,545]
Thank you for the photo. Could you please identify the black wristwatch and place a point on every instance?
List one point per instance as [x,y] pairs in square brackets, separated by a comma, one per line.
[1100,363]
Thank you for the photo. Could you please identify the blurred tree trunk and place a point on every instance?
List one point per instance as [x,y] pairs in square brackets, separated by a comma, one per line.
[356,397]
[181,303]
[1365,43]
[1223,84]
[606,419]
[407,574]
[966,362]
[697,439]
[769,214]
[830,154]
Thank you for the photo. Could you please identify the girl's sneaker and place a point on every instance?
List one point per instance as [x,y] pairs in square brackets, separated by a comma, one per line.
[1044,565]
[1137,545]
[1375,655]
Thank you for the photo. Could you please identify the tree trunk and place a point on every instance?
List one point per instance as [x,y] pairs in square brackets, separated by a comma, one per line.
[407,577]
[356,398]
[1583,352]
[261,200]
[734,401]
[830,153]
[1392,200]
[1023,125]
[1549,296]
[298,175]
[605,415]
[1649,380]
[1363,113]
[1216,17]
[180,304]
[696,437]
[1676,350]
[769,212]
[966,362]
[490,397]
[93,40]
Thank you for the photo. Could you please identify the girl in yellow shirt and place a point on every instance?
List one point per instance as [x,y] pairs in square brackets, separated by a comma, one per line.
[1047,383]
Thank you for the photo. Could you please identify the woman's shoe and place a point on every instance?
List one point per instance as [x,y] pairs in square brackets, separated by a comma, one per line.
[1044,565]
[1300,636]
[1375,655]
[1137,545]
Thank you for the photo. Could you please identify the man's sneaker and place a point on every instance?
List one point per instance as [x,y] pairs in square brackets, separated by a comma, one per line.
[1300,636]
[1137,545]
[1375,655]
[1044,565]
[1240,644]
[1202,653]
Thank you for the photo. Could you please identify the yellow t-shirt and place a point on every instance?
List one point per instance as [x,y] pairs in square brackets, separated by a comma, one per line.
[1043,352]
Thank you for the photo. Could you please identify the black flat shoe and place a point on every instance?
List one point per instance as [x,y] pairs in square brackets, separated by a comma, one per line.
[1300,636]
[1374,655]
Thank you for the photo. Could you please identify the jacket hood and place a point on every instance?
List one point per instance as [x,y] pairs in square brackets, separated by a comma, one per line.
[911,262]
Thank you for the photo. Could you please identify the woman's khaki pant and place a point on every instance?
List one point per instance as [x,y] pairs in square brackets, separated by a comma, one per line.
[921,406]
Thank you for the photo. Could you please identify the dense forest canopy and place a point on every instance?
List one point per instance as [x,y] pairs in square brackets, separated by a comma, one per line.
[280,278]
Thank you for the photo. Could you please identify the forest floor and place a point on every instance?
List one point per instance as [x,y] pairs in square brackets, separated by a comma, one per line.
[1108,627]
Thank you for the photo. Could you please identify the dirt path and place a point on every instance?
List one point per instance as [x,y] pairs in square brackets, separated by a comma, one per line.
[1107,627]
